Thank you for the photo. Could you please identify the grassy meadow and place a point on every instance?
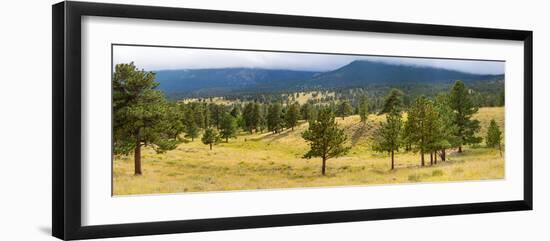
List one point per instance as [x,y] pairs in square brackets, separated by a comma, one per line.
[273,161]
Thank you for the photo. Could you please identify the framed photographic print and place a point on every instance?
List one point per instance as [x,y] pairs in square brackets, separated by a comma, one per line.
[170,120]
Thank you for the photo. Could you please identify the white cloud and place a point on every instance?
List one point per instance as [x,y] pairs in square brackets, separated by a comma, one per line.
[157,58]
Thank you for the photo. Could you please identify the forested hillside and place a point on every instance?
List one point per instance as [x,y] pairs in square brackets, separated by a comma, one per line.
[378,77]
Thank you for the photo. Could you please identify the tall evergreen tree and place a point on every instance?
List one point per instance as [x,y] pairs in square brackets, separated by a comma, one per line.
[210,137]
[140,114]
[305,111]
[252,116]
[460,101]
[345,109]
[325,138]
[175,116]
[421,126]
[191,127]
[262,120]
[363,108]
[394,100]
[217,112]
[292,115]
[494,136]
[240,122]
[274,120]
[236,111]
[194,110]
[447,127]
[388,136]
[228,127]
[257,114]
[434,126]
[205,122]
[408,136]
[247,117]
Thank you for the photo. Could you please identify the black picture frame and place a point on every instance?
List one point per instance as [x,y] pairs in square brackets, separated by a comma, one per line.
[66,128]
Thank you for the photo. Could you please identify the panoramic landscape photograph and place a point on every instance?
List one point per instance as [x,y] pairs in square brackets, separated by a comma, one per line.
[188,120]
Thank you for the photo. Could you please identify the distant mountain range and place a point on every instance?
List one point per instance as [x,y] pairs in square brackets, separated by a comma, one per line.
[227,80]
[359,73]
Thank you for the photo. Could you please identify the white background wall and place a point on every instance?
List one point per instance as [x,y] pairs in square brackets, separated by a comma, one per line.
[25,120]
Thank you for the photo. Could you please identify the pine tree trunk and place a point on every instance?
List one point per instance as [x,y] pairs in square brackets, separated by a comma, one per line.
[422,157]
[444,155]
[324,165]
[210,146]
[435,157]
[137,159]
[392,159]
[227,140]
[460,149]
[431,158]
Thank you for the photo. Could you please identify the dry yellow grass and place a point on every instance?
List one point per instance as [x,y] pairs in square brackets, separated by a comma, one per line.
[304,97]
[268,161]
[213,100]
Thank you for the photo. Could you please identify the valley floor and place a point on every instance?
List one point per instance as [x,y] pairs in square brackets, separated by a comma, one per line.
[273,161]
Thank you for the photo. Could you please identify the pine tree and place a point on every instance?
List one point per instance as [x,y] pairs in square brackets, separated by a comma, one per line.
[421,127]
[240,122]
[363,108]
[257,116]
[236,111]
[140,114]
[394,100]
[210,137]
[262,117]
[305,111]
[197,114]
[494,136]
[228,127]
[345,109]
[217,112]
[446,126]
[434,126]
[250,117]
[460,101]
[408,136]
[274,120]
[249,123]
[191,127]
[325,138]
[313,111]
[292,115]
[175,116]
[205,122]
[388,136]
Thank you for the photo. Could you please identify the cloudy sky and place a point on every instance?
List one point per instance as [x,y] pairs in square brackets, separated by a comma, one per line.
[161,58]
